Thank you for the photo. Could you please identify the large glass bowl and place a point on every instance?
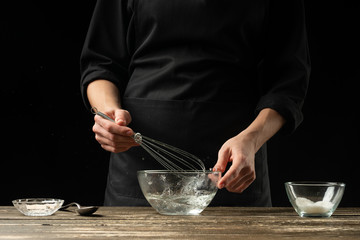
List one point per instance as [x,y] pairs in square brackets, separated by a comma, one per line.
[178,192]
[315,199]
[38,206]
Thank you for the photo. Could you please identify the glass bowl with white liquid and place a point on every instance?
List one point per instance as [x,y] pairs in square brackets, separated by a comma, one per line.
[38,206]
[178,192]
[315,199]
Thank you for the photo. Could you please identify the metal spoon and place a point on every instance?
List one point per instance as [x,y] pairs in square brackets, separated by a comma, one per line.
[83,211]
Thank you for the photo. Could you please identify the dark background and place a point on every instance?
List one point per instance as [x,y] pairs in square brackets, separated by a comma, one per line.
[48,148]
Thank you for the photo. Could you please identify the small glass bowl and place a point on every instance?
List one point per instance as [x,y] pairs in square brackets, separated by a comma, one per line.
[315,199]
[38,206]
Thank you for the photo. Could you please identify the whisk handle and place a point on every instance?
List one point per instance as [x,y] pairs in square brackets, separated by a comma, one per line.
[97,112]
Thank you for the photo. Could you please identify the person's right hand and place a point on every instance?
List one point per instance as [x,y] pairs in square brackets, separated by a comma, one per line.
[114,137]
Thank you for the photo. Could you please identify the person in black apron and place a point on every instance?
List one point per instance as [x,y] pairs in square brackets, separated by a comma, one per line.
[215,78]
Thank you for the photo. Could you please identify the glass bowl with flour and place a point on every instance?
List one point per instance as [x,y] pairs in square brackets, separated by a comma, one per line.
[315,199]
[178,192]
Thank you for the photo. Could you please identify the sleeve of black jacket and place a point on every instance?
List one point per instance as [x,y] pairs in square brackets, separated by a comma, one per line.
[104,54]
[285,68]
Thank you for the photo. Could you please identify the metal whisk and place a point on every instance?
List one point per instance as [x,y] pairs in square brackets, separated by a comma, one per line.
[168,156]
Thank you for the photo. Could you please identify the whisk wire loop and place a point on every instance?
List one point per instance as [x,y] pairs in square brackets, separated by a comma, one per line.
[164,152]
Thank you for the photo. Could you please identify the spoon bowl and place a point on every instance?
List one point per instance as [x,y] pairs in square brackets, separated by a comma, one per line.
[86,211]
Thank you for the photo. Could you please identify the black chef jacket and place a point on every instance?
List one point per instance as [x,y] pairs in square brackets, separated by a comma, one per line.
[194,73]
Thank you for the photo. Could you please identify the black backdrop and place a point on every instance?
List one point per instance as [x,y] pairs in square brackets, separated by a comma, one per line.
[48,149]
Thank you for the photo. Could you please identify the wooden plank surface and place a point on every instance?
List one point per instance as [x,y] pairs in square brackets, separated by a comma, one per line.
[214,223]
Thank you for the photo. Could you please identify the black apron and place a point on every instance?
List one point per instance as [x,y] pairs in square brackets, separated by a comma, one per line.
[197,127]
[192,73]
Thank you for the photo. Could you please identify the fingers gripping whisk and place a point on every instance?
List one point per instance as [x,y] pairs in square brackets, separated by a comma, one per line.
[168,156]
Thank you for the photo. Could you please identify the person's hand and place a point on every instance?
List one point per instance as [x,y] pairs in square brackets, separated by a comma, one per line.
[114,137]
[240,150]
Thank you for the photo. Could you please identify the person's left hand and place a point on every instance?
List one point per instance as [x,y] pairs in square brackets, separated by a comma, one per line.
[240,150]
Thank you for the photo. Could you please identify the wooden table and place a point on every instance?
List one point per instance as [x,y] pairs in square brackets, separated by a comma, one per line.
[213,223]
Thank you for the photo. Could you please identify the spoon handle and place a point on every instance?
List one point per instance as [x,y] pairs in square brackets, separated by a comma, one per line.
[69,205]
